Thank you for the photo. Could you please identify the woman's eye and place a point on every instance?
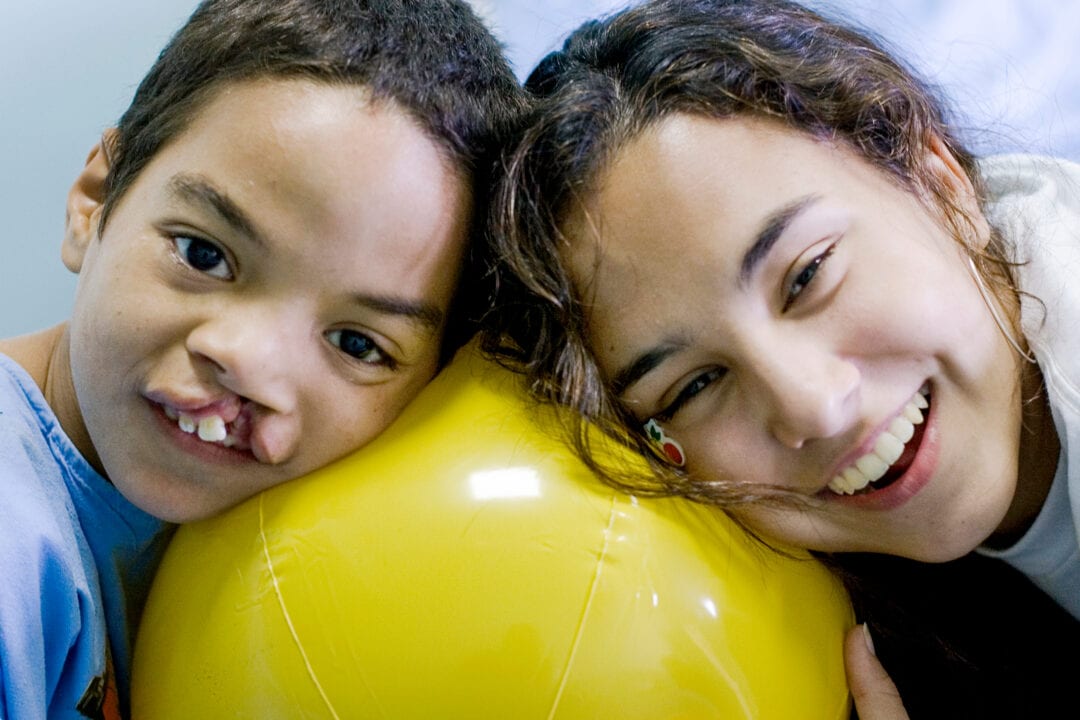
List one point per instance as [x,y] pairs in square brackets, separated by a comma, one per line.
[804,277]
[359,346]
[204,256]
[689,391]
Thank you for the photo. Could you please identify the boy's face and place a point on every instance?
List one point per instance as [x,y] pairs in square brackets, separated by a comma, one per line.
[267,296]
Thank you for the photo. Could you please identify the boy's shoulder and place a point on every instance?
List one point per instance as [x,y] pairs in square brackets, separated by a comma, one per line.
[44,485]
[33,489]
[47,569]
[45,480]
[32,353]
[28,426]
[60,515]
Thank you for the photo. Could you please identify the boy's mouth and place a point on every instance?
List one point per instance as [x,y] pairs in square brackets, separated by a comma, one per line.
[211,427]
[892,454]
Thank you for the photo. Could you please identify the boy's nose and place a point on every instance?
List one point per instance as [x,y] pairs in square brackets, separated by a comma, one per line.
[810,396]
[251,353]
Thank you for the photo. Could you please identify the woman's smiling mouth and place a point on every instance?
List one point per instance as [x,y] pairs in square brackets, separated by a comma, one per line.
[892,453]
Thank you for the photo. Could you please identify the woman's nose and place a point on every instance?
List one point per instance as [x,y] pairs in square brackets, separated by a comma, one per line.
[809,395]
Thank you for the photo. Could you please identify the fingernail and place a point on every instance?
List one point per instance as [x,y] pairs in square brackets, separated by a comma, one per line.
[869,640]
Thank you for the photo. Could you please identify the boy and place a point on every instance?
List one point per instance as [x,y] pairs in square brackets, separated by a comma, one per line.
[269,246]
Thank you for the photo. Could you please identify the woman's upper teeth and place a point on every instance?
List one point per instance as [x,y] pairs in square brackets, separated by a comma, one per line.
[887,449]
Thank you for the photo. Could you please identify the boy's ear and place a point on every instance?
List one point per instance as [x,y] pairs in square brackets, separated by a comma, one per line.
[944,166]
[84,204]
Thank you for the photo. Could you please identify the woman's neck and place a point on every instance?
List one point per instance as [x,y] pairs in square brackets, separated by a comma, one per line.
[1037,462]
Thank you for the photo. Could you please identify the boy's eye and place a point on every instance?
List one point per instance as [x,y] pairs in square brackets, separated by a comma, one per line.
[204,256]
[359,346]
[804,277]
[690,391]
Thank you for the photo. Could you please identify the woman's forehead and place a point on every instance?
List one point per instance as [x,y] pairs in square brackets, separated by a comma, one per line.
[684,178]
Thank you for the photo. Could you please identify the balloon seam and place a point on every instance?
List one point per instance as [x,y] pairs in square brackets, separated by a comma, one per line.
[288,618]
[593,585]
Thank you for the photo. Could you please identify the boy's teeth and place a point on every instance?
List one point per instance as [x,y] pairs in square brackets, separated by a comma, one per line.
[187,423]
[887,449]
[212,429]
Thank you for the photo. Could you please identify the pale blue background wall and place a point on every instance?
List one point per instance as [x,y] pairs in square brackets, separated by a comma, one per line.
[68,68]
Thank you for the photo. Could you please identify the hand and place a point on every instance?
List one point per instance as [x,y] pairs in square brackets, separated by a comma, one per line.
[875,695]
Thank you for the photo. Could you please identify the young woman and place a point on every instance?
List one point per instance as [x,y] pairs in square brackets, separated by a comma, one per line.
[745,240]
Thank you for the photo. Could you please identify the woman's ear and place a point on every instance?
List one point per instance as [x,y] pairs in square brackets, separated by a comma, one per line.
[84,204]
[943,165]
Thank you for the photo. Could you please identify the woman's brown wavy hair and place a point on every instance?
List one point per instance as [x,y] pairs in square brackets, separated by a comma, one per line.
[617,76]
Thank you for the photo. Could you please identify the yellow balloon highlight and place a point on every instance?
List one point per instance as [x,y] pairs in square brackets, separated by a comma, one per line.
[467,565]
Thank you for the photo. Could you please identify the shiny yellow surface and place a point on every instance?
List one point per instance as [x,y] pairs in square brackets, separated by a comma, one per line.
[466,565]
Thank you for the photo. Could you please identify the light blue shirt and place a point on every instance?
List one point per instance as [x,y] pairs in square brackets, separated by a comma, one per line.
[76,559]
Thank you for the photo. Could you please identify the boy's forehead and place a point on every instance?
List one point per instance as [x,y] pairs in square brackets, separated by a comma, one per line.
[327,178]
[284,123]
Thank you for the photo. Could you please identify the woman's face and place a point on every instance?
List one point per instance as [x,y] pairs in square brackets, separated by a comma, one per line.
[792,316]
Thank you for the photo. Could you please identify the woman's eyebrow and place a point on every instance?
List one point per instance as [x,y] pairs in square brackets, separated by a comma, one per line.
[771,231]
[774,226]
[642,365]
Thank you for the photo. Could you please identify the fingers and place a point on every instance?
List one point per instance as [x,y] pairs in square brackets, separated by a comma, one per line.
[875,695]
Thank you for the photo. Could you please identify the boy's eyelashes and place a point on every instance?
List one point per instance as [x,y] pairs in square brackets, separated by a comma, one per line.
[204,256]
[361,347]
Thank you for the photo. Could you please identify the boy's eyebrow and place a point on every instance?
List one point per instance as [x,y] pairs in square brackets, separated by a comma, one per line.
[770,232]
[198,190]
[426,314]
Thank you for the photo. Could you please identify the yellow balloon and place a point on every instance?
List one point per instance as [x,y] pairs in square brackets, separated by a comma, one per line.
[467,565]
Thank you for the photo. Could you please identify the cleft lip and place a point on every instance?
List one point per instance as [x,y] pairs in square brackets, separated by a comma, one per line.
[228,408]
[240,416]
